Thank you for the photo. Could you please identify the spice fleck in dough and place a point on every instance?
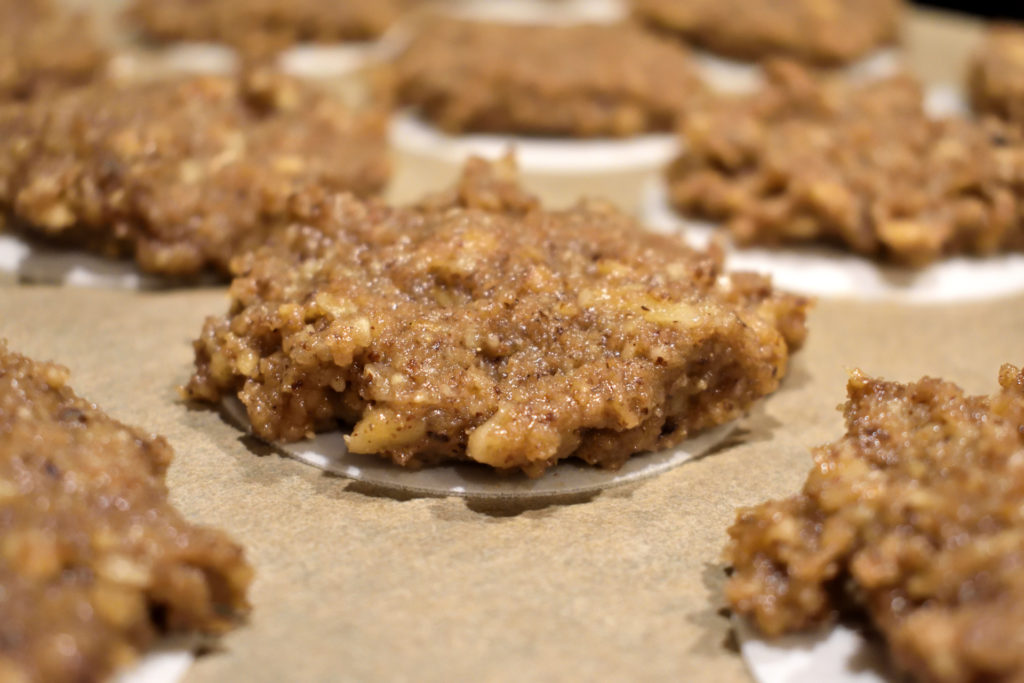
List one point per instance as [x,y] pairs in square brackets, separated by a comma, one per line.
[43,49]
[863,167]
[263,27]
[577,81]
[95,563]
[996,79]
[825,32]
[913,518]
[179,175]
[478,326]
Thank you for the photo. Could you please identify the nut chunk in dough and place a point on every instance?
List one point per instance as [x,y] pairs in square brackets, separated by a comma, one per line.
[914,519]
[95,563]
[179,175]
[479,326]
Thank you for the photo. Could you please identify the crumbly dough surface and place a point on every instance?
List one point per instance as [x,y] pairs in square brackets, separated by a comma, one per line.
[996,76]
[95,563]
[577,81]
[825,32]
[478,326]
[861,167]
[179,175]
[913,518]
[43,49]
[260,28]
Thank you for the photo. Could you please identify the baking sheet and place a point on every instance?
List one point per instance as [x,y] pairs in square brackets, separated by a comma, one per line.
[358,583]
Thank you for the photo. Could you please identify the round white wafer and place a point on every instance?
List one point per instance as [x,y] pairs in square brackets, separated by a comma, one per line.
[309,60]
[837,655]
[161,666]
[32,263]
[541,11]
[411,134]
[36,264]
[818,271]
[733,76]
[327,452]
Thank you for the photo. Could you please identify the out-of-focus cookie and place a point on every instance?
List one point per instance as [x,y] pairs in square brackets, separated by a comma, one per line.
[864,167]
[996,77]
[824,32]
[585,80]
[45,48]
[179,175]
[96,565]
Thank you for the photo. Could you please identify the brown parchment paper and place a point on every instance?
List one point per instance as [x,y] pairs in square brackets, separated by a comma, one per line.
[355,585]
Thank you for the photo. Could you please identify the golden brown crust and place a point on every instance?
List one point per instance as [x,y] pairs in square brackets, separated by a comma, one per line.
[915,518]
[180,175]
[43,50]
[261,28]
[478,326]
[582,81]
[95,563]
[825,32]
[996,75]
[863,167]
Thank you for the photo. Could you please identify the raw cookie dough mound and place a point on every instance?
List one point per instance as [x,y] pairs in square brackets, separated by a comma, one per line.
[825,32]
[95,563]
[180,175]
[586,80]
[478,326]
[913,519]
[43,49]
[260,28]
[863,167]
[996,77]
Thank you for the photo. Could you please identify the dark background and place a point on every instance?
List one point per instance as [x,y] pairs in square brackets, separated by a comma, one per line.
[1011,9]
